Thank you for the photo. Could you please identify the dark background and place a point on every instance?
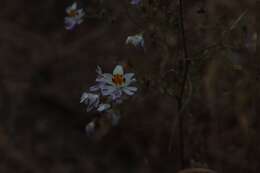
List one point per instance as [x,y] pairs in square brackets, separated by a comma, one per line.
[44,69]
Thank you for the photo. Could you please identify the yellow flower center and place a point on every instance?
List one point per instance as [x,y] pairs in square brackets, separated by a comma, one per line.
[72,13]
[118,79]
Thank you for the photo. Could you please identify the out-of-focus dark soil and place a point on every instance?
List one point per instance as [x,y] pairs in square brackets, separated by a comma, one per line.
[44,69]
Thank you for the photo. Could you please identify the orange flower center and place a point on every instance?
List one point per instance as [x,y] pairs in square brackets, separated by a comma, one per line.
[118,79]
[72,13]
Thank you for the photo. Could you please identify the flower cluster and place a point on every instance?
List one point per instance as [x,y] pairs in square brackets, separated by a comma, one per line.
[74,16]
[109,91]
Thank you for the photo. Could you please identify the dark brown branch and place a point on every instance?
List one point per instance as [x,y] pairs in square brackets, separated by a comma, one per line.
[185,77]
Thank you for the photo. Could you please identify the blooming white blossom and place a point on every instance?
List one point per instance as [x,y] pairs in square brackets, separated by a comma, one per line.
[136,40]
[75,16]
[91,100]
[107,93]
[135,2]
[115,84]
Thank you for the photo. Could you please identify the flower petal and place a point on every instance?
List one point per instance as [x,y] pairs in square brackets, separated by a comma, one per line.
[74,6]
[128,92]
[128,76]
[99,70]
[131,88]
[71,8]
[94,88]
[116,94]
[90,128]
[129,79]
[107,90]
[106,78]
[91,100]
[118,70]
[103,107]
[83,97]
[136,40]
[70,23]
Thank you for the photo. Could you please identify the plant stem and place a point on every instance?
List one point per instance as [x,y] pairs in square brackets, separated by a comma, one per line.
[185,76]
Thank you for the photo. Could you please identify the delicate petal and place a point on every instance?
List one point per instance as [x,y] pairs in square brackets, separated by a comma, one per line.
[99,70]
[90,128]
[128,92]
[128,76]
[103,107]
[128,39]
[71,8]
[131,88]
[136,40]
[74,6]
[70,23]
[116,94]
[83,97]
[106,78]
[118,70]
[107,90]
[97,87]
[91,100]
[94,88]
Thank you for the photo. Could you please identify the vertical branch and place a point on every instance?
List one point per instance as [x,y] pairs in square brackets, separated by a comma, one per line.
[185,76]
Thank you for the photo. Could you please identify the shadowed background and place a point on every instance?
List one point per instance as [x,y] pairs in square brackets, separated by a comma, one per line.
[44,69]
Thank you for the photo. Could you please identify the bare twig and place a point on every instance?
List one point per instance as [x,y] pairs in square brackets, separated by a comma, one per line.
[175,121]
[186,71]
[234,24]
[183,86]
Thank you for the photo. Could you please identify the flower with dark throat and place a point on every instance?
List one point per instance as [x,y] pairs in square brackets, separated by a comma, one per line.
[116,84]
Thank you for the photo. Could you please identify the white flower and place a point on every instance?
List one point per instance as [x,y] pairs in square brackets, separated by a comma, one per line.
[91,100]
[136,40]
[75,16]
[117,83]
